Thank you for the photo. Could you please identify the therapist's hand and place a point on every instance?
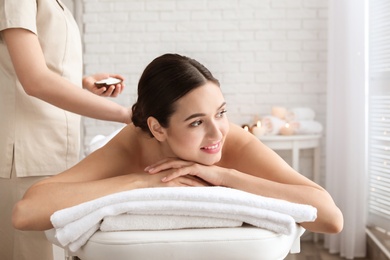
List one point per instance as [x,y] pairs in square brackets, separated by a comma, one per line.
[104,91]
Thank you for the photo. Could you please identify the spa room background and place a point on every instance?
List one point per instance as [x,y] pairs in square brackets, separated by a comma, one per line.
[290,53]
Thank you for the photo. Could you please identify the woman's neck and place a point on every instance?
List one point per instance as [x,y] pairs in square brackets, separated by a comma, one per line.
[152,150]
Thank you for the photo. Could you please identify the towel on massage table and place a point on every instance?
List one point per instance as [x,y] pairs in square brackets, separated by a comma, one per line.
[219,206]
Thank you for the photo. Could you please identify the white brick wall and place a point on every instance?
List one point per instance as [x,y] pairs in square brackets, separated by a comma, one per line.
[264,52]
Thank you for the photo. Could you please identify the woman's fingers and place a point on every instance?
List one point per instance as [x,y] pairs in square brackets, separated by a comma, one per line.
[194,182]
[186,180]
[166,164]
[191,181]
[177,173]
[178,168]
[211,175]
[152,166]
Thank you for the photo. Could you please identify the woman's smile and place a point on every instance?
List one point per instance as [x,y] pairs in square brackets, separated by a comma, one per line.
[215,148]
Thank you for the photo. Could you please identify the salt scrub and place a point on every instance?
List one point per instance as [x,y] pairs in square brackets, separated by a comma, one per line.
[108,81]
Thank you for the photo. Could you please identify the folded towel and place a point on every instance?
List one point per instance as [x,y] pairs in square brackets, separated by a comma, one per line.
[300,113]
[163,222]
[277,222]
[76,244]
[272,124]
[305,127]
[73,224]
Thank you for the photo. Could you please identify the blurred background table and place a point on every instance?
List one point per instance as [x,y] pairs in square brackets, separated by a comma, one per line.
[295,143]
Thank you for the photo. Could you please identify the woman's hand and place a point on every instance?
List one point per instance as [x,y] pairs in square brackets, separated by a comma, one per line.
[213,175]
[154,180]
[106,91]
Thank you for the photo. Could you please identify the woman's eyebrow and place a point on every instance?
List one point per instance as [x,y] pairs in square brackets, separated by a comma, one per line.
[202,114]
[194,115]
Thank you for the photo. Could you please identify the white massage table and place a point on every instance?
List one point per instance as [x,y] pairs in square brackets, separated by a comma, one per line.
[244,242]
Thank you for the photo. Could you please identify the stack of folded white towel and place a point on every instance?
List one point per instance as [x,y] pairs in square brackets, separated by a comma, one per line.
[300,119]
[175,208]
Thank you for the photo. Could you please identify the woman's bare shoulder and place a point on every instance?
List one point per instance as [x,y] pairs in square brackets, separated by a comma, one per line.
[238,136]
[124,137]
[235,142]
[132,147]
[124,144]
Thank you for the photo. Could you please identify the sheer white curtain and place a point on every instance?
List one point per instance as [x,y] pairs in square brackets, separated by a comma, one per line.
[346,124]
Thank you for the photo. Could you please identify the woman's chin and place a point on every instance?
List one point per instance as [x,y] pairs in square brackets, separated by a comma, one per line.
[211,160]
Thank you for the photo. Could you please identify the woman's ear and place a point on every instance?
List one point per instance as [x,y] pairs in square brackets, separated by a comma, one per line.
[156,129]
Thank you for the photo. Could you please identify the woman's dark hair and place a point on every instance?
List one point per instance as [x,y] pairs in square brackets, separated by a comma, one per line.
[165,80]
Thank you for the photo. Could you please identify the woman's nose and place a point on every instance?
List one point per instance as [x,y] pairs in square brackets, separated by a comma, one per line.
[214,131]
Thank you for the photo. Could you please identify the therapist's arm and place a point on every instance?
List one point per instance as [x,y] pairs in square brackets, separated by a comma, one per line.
[38,81]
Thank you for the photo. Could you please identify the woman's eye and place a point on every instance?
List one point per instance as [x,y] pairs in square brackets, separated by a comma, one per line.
[196,123]
[220,114]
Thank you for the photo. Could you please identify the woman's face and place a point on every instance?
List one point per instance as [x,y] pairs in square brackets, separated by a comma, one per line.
[198,128]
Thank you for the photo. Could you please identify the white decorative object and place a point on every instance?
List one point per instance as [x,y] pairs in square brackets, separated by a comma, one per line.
[258,129]
[279,112]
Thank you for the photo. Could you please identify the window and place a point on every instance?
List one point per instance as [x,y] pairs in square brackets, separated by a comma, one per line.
[379,114]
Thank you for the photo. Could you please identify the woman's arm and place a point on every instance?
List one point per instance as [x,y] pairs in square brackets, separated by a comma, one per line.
[249,165]
[43,199]
[110,169]
[269,175]
[99,174]
[38,81]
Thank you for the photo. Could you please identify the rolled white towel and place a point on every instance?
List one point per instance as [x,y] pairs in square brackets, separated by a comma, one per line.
[279,112]
[272,124]
[299,114]
[305,127]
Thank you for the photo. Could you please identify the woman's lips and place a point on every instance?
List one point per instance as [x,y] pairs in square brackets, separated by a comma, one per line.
[215,148]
